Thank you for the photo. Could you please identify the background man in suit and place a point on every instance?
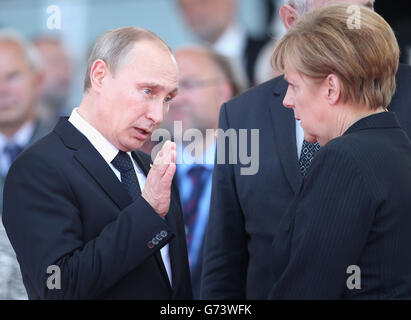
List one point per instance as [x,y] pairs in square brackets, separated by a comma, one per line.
[20,80]
[80,199]
[245,210]
[206,80]
[214,22]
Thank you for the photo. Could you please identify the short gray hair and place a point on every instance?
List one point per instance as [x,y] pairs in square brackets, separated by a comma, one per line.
[302,6]
[29,50]
[114,45]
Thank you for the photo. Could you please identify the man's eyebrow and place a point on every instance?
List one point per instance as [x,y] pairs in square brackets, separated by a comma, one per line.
[174,92]
[150,84]
[156,86]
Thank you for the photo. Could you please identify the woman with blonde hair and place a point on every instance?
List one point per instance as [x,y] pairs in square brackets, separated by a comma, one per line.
[347,233]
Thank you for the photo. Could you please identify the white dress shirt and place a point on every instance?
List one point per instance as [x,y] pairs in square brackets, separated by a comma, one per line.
[232,44]
[109,152]
[299,135]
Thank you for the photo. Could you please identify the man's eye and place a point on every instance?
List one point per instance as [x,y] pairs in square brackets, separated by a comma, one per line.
[147,91]
[168,99]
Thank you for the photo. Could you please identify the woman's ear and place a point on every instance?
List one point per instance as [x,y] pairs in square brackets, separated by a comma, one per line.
[288,15]
[333,87]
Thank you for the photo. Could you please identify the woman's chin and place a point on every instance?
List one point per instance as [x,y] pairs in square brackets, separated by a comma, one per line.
[310,139]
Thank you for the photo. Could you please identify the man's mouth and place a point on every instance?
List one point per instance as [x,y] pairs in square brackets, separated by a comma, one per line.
[142,133]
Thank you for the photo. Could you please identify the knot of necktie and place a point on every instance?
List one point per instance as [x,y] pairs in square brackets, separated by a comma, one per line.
[122,162]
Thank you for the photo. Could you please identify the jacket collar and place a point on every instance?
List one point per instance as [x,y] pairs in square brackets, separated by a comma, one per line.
[93,162]
[375,121]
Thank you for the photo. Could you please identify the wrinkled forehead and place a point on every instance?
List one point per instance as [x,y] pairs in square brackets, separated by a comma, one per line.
[152,62]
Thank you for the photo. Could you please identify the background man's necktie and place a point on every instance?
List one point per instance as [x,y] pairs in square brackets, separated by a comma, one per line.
[190,207]
[308,152]
[12,150]
[122,162]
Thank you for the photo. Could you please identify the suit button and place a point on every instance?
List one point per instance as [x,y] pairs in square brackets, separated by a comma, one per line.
[154,241]
[150,245]
[163,233]
[159,237]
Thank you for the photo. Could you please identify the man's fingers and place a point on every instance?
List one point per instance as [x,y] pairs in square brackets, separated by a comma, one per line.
[166,156]
[169,174]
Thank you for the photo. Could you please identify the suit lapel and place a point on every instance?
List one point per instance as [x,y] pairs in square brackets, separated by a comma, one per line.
[98,168]
[285,136]
[93,163]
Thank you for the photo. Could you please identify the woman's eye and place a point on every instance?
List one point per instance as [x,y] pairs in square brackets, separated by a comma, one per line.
[168,99]
[147,91]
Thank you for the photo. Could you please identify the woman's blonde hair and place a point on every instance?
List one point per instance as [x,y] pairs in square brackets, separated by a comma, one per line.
[352,42]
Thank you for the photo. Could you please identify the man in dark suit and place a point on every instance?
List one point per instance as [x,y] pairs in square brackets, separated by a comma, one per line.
[245,210]
[87,216]
[20,80]
[206,81]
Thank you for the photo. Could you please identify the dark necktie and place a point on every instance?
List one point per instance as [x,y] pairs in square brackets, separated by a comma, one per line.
[190,207]
[12,150]
[123,163]
[308,152]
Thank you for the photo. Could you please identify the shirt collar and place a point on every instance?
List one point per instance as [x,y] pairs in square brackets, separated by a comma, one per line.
[232,42]
[102,145]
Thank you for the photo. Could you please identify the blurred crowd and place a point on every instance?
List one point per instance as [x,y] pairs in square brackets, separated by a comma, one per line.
[36,77]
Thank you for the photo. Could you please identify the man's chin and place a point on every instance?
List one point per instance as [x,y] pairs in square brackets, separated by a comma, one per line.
[134,144]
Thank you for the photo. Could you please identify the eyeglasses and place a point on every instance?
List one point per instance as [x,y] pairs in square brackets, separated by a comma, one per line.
[194,84]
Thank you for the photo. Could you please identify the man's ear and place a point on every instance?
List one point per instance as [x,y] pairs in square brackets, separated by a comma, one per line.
[98,72]
[333,87]
[288,15]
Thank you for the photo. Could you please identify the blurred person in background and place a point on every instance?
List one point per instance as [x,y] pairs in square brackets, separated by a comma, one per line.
[55,89]
[20,82]
[214,22]
[245,210]
[206,81]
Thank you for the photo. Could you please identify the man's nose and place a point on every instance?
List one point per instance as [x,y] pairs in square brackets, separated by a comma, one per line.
[156,112]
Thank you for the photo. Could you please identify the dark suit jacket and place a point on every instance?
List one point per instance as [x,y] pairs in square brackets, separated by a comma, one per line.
[40,131]
[64,206]
[245,210]
[353,208]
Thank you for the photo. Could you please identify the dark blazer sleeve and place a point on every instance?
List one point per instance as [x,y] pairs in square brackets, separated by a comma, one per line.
[225,251]
[324,230]
[44,224]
